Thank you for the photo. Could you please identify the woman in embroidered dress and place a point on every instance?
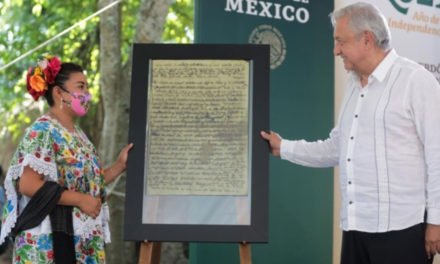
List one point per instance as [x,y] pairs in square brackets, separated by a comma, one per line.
[54,170]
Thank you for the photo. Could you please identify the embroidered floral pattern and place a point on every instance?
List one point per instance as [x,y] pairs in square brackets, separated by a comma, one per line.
[38,249]
[72,161]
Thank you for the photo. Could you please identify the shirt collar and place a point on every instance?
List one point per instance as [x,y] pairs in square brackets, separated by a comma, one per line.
[381,70]
[384,66]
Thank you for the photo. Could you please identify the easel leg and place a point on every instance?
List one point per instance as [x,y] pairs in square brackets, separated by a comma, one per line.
[245,253]
[149,253]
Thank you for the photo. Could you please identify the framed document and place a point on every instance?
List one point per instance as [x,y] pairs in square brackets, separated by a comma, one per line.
[199,168]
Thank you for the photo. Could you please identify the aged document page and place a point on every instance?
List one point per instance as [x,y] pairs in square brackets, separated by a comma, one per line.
[198,127]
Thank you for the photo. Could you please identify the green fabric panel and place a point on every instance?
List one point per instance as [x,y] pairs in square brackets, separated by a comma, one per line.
[301,107]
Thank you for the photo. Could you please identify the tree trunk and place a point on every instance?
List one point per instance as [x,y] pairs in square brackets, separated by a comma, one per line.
[110,68]
[110,76]
[115,84]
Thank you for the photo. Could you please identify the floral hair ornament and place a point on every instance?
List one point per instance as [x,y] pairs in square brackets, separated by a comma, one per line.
[40,77]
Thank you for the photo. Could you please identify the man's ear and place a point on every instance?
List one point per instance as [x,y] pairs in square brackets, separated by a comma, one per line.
[368,38]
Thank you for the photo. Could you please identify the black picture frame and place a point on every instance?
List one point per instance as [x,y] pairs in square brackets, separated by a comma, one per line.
[257,231]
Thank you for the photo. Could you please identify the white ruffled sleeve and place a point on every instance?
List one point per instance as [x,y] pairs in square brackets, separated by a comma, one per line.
[35,150]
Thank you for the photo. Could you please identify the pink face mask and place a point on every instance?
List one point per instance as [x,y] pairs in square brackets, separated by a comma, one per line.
[79,102]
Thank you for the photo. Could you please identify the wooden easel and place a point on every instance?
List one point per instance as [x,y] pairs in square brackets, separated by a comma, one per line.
[245,253]
[150,253]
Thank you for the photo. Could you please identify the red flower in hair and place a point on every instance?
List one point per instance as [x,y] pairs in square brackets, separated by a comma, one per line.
[52,69]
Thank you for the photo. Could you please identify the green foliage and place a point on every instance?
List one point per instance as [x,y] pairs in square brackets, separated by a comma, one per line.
[26,24]
[179,27]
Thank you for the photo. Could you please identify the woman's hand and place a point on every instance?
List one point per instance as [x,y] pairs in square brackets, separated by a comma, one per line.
[90,205]
[119,166]
[123,155]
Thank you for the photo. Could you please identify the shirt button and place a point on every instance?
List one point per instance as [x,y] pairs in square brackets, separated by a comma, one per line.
[362,95]
[351,202]
[348,159]
[349,182]
[351,138]
[355,116]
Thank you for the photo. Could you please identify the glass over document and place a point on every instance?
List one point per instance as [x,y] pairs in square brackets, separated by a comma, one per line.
[198,124]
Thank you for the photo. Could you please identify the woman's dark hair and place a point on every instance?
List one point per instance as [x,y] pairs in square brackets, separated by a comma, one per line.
[63,75]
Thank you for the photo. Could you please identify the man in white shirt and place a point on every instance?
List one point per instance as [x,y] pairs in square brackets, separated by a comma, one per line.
[386,142]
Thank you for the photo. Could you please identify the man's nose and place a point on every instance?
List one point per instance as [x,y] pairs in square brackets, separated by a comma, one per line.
[336,51]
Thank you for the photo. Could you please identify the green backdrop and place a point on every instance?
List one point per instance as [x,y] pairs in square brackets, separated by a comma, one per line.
[301,107]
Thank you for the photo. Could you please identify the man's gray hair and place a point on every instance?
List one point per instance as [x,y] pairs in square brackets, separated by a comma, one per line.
[365,17]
